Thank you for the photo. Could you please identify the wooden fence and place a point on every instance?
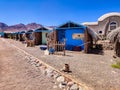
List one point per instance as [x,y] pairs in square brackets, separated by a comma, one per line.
[59,48]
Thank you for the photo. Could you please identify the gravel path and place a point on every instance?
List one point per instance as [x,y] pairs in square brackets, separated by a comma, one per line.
[93,70]
[17,74]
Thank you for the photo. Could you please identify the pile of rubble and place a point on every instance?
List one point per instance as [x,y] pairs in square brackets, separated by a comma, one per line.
[106,44]
[59,80]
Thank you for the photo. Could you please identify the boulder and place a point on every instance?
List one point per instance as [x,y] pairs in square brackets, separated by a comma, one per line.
[69,84]
[60,79]
[62,85]
[74,87]
[49,72]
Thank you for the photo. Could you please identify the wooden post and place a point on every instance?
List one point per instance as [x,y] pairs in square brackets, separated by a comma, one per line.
[64,47]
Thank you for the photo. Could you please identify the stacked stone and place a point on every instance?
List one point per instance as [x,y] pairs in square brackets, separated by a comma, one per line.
[59,80]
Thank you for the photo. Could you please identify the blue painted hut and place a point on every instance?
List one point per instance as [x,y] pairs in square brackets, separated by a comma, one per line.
[73,33]
[2,34]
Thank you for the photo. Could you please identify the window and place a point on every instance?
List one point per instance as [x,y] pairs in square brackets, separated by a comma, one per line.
[78,36]
[100,32]
[113,25]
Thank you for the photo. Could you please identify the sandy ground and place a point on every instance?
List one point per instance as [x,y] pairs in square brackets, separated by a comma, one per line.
[93,70]
[17,74]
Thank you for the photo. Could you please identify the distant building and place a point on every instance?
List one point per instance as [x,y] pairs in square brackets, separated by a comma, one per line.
[105,23]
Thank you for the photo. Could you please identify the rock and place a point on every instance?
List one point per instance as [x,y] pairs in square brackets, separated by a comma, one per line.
[69,84]
[32,60]
[62,85]
[60,79]
[43,69]
[74,87]
[80,88]
[49,72]
[37,61]
[33,63]
[46,52]
[68,80]
[38,64]
[26,57]
[55,74]
[55,86]
[43,72]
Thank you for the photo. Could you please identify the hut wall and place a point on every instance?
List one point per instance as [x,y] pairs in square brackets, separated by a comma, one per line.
[72,42]
[52,38]
[55,36]
[88,42]
[38,38]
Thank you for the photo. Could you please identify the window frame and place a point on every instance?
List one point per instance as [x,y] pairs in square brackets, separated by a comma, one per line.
[113,25]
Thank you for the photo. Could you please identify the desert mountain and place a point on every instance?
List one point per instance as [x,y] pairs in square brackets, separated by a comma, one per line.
[19,27]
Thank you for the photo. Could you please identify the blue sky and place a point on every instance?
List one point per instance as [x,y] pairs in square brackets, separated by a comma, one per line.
[55,12]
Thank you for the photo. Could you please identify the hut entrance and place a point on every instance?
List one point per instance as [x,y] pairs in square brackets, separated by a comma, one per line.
[38,38]
[40,35]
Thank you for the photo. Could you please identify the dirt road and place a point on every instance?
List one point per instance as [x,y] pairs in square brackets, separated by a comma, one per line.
[17,74]
[92,69]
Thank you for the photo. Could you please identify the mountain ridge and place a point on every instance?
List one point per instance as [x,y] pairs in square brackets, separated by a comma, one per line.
[19,27]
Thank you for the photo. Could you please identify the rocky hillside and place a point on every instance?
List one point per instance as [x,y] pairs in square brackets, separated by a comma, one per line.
[18,27]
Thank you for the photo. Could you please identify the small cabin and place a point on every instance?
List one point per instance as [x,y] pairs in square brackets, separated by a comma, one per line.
[74,37]
[20,35]
[2,34]
[70,33]
[29,35]
[73,34]
[40,35]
